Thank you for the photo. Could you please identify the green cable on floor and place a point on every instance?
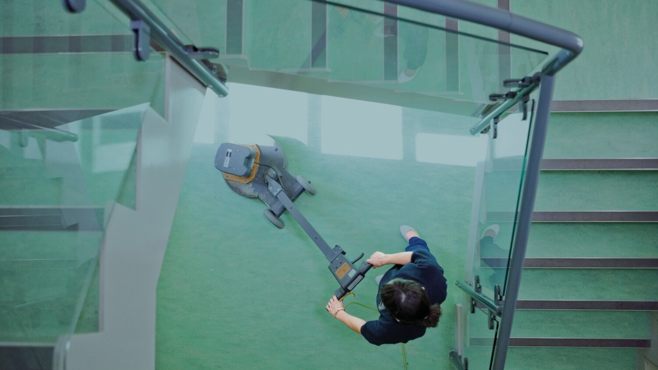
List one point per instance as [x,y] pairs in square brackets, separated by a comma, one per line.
[403,346]
[405,363]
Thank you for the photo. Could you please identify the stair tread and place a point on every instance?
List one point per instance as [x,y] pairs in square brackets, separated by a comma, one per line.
[597,190]
[591,305]
[599,164]
[579,262]
[589,284]
[564,342]
[559,358]
[606,137]
[593,240]
[594,216]
[46,245]
[581,324]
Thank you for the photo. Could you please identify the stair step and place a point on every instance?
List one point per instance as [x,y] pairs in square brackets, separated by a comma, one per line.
[557,358]
[571,263]
[581,324]
[610,164]
[46,245]
[607,135]
[51,218]
[597,190]
[565,358]
[589,284]
[46,118]
[578,216]
[569,324]
[601,240]
[31,189]
[17,356]
[569,342]
[595,216]
[580,342]
[602,305]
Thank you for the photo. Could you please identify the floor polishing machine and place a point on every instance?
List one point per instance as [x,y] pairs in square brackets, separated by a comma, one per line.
[257,171]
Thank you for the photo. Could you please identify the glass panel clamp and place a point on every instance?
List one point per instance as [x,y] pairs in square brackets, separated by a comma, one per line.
[203,54]
[523,87]
[521,82]
[74,6]
[196,52]
[460,362]
[142,45]
[498,295]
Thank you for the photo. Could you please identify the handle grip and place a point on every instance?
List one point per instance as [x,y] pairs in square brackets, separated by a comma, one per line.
[340,293]
[364,268]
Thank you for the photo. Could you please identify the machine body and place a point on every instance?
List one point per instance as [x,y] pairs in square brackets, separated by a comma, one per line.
[256,171]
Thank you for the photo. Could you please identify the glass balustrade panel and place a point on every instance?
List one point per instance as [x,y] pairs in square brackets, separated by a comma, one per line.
[368,49]
[72,99]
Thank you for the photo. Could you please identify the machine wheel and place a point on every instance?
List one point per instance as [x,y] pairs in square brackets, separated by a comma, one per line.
[270,216]
[308,187]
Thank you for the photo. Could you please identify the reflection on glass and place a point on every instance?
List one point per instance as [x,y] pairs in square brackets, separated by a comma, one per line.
[53,203]
[331,125]
[358,128]
[503,174]
[479,340]
[367,50]
[72,99]
[435,148]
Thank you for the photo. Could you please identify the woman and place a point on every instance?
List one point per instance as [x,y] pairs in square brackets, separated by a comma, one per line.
[409,298]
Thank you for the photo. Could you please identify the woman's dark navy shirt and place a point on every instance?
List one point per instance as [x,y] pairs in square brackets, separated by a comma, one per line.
[424,269]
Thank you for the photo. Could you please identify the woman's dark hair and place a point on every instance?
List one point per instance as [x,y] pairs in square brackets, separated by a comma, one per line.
[408,302]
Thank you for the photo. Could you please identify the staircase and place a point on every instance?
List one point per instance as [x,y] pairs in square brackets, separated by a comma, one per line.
[589,289]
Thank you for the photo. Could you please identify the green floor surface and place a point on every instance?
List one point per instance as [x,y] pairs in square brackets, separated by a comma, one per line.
[237,293]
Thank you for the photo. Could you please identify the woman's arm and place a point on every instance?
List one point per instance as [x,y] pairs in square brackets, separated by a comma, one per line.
[337,310]
[380,259]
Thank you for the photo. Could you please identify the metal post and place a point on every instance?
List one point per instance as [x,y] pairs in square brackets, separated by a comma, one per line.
[527,202]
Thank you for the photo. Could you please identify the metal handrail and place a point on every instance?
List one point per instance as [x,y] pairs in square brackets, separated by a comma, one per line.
[571,43]
[166,38]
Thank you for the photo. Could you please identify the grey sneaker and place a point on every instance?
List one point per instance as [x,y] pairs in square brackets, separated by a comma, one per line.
[406,229]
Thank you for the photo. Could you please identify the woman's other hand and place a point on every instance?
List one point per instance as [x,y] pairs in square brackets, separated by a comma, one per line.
[334,306]
[378,259]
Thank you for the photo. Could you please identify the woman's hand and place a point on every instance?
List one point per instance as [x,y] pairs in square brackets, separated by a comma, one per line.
[334,306]
[378,259]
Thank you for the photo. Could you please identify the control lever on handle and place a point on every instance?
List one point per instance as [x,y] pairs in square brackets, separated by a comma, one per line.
[361,272]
